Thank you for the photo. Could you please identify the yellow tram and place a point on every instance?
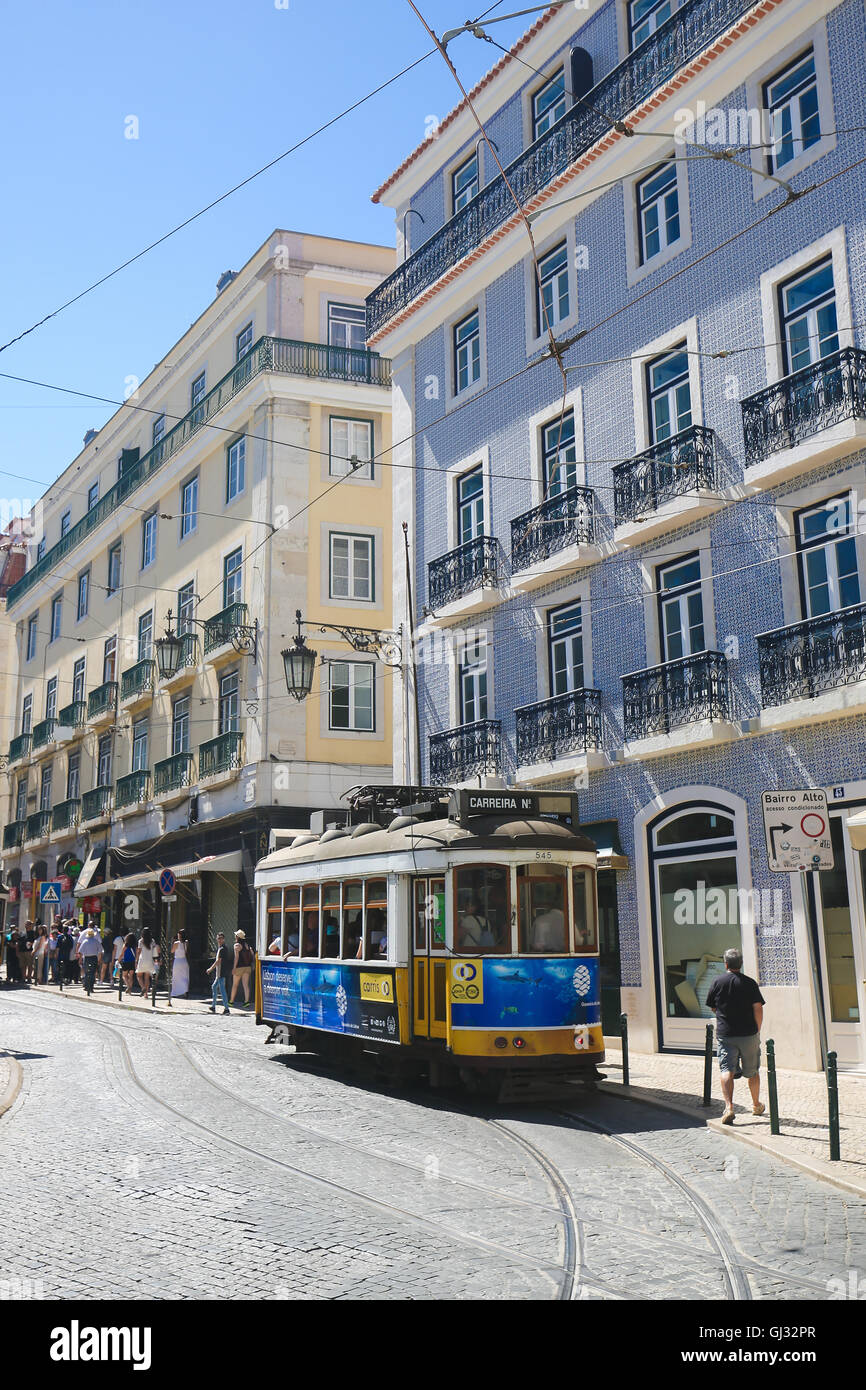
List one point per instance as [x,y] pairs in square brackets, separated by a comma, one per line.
[447,934]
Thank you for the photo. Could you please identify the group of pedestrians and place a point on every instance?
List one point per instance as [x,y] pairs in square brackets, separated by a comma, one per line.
[66,953]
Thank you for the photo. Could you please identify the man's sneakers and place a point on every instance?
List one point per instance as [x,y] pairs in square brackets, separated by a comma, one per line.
[211,1009]
[758,1108]
[728,1117]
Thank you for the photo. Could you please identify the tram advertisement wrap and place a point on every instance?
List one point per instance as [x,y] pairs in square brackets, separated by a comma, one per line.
[358,1003]
[525,993]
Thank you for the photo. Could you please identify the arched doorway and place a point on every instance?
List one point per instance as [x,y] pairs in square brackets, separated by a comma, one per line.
[696,907]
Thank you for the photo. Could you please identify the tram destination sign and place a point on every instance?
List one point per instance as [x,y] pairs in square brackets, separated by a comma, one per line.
[797,828]
[512,805]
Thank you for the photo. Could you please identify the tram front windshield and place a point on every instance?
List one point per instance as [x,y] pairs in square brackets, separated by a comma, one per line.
[482,914]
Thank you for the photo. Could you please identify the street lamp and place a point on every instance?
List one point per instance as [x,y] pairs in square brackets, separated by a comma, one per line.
[243,637]
[300,660]
[168,652]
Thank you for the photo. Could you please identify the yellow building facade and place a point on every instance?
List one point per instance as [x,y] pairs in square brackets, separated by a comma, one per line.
[240,482]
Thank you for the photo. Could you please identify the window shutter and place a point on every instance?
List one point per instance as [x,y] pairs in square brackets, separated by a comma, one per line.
[581,73]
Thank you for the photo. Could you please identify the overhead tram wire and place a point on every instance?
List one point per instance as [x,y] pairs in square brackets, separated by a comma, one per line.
[215,202]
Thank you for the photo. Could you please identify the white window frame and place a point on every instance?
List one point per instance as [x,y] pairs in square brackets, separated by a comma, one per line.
[240,353]
[27,713]
[456,399]
[533,131]
[686,333]
[457,168]
[236,466]
[91,498]
[578,591]
[354,538]
[637,269]
[353,668]
[147,654]
[51,689]
[344,304]
[116,549]
[537,341]
[537,424]
[696,541]
[834,244]
[56,605]
[139,763]
[158,432]
[365,471]
[65,524]
[81,612]
[804,499]
[239,569]
[481,458]
[32,638]
[784,58]
[73,776]
[148,539]
[185,516]
[82,664]
[456,653]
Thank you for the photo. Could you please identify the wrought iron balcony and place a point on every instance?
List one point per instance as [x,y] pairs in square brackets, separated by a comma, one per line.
[563,520]
[173,774]
[43,733]
[218,629]
[19,748]
[551,729]
[101,700]
[674,44]
[72,716]
[805,659]
[677,466]
[805,403]
[138,679]
[221,754]
[475,565]
[13,834]
[470,751]
[285,355]
[687,691]
[96,804]
[66,814]
[132,789]
[37,827]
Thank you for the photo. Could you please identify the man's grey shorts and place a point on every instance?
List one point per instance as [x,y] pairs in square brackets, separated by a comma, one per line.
[743,1054]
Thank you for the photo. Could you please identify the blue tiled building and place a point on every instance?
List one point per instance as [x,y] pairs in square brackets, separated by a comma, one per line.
[634,473]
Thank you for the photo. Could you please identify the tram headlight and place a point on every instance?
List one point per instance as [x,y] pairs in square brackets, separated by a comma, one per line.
[500,1042]
[518,1042]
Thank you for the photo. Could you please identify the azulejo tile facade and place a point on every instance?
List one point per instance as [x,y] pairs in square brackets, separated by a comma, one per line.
[728,383]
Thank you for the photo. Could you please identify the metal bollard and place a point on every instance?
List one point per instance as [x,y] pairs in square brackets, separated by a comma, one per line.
[708,1065]
[154,979]
[771,1087]
[623,1032]
[120,985]
[833,1101]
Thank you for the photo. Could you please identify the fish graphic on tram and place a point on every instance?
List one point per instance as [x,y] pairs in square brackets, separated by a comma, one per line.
[444,934]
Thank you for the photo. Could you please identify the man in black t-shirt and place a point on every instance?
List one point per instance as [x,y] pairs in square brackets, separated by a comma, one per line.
[739,1008]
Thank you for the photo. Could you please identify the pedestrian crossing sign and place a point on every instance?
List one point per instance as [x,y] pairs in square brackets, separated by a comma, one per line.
[49,893]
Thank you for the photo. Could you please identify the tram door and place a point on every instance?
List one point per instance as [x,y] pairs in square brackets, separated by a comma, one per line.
[430,961]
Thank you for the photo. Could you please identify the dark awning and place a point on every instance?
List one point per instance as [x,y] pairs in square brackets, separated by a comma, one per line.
[605,836]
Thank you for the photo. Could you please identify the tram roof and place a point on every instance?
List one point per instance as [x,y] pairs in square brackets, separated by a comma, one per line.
[484,832]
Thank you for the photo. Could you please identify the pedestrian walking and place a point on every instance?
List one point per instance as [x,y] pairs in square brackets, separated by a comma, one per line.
[220,969]
[25,955]
[40,956]
[13,969]
[74,962]
[738,1005]
[107,956]
[147,961]
[89,952]
[53,939]
[180,966]
[242,966]
[64,952]
[127,960]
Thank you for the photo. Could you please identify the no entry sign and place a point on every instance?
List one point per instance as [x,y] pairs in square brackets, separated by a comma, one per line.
[797,828]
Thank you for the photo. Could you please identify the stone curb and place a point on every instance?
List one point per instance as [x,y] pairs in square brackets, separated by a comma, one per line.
[776,1145]
[10,1095]
[116,1003]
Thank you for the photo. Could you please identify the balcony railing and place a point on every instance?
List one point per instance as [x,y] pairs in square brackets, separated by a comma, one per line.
[173,774]
[13,834]
[221,754]
[72,716]
[43,733]
[551,729]
[37,827]
[267,355]
[96,804]
[677,466]
[474,565]
[102,699]
[687,691]
[132,789]
[66,814]
[218,629]
[804,403]
[138,679]
[19,748]
[807,658]
[470,751]
[563,520]
[674,44]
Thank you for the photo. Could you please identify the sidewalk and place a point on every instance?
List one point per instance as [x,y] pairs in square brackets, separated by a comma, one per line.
[103,995]
[678,1082]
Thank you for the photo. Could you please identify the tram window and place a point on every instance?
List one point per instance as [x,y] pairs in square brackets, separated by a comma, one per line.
[375,942]
[482,909]
[331,920]
[542,891]
[585,921]
[291,942]
[310,942]
[421,914]
[353,919]
[275,908]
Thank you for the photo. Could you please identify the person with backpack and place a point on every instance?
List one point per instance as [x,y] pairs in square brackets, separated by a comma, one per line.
[127,960]
[242,968]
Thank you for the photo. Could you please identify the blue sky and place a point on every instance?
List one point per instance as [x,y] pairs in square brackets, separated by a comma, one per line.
[219,88]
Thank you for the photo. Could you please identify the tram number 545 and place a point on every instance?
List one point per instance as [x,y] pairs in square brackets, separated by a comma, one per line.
[544,854]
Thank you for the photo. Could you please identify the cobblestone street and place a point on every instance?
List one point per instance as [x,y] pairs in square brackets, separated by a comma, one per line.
[198,1164]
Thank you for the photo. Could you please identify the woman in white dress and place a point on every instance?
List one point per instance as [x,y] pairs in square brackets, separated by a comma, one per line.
[180,966]
[147,963]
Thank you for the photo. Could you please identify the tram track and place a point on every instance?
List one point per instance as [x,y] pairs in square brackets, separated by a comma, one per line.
[571,1275]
